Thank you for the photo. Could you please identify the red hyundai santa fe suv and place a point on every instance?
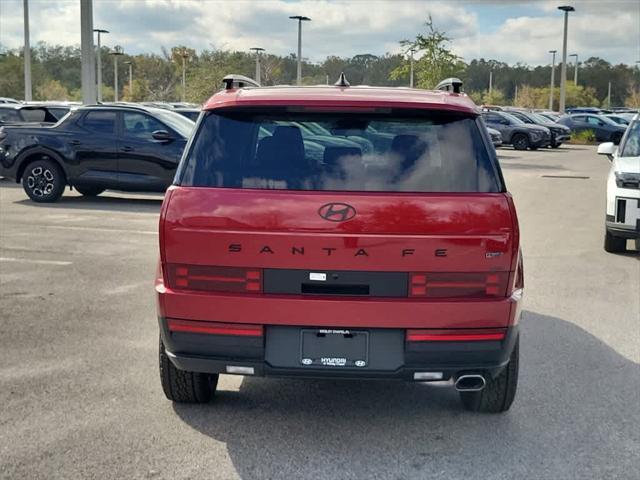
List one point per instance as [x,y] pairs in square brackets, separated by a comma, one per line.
[338,231]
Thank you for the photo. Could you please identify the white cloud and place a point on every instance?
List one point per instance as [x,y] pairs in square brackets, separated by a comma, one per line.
[609,29]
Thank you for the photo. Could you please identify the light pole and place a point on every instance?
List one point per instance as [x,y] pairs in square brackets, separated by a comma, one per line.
[184,54]
[300,19]
[99,62]
[563,75]
[490,82]
[575,70]
[130,77]
[609,96]
[117,51]
[87,52]
[257,50]
[553,74]
[411,51]
[27,54]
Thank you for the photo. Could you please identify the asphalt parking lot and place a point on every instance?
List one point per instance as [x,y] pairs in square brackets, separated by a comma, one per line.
[81,397]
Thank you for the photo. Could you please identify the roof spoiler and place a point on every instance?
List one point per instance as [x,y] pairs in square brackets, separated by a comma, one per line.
[238,81]
[450,85]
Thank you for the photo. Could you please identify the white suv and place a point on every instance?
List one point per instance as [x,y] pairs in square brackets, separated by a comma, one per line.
[623,190]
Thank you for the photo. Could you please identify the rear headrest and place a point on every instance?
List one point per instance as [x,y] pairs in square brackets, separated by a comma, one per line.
[283,150]
[288,134]
[332,155]
[410,147]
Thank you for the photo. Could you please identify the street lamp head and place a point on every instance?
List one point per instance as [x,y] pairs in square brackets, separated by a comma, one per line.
[567,8]
[257,49]
[100,30]
[128,63]
[553,51]
[300,17]
[116,51]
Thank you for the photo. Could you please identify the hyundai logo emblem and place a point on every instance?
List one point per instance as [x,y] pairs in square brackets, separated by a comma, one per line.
[337,212]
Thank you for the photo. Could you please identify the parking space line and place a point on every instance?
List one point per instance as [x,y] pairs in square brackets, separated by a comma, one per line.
[100,229]
[30,260]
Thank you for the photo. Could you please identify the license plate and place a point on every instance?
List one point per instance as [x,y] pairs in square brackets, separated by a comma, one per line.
[334,348]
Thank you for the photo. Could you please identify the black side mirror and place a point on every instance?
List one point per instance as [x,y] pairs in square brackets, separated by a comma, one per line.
[162,136]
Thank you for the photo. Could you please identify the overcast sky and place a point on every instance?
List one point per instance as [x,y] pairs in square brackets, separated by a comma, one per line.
[511,31]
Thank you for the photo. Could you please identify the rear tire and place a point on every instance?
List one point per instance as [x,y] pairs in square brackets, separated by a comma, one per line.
[497,396]
[43,181]
[520,141]
[556,145]
[182,386]
[614,244]
[89,191]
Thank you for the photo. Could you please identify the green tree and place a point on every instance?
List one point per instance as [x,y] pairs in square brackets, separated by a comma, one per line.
[633,98]
[495,97]
[52,90]
[436,62]
[11,75]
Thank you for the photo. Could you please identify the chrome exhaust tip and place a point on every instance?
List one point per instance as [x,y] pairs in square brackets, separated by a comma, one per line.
[470,383]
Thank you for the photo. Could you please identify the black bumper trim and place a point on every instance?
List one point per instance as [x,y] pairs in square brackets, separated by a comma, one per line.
[263,369]
[214,353]
[623,232]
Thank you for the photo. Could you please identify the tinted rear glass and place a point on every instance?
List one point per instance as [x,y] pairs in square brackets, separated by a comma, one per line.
[100,121]
[34,114]
[423,152]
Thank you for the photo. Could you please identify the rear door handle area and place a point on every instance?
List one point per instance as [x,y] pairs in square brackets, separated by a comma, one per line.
[127,149]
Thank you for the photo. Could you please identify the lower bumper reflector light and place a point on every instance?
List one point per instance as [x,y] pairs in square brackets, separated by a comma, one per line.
[428,375]
[240,370]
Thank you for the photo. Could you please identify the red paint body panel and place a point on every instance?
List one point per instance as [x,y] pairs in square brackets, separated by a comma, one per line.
[364,97]
[199,224]
[202,223]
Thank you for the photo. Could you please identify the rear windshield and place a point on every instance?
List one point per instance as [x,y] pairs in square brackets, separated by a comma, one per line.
[422,152]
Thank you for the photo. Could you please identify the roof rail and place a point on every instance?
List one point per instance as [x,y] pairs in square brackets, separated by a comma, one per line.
[451,84]
[238,81]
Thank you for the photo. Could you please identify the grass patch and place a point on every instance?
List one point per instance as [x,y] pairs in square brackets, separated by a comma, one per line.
[584,137]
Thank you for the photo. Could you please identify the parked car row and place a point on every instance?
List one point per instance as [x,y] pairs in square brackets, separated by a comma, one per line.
[515,132]
[525,129]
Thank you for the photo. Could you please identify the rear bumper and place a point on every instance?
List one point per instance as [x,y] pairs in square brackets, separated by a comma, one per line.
[560,138]
[390,356]
[620,231]
[543,142]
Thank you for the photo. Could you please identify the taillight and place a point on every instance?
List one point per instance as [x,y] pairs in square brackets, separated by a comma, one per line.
[214,279]
[214,328]
[447,285]
[463,335]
